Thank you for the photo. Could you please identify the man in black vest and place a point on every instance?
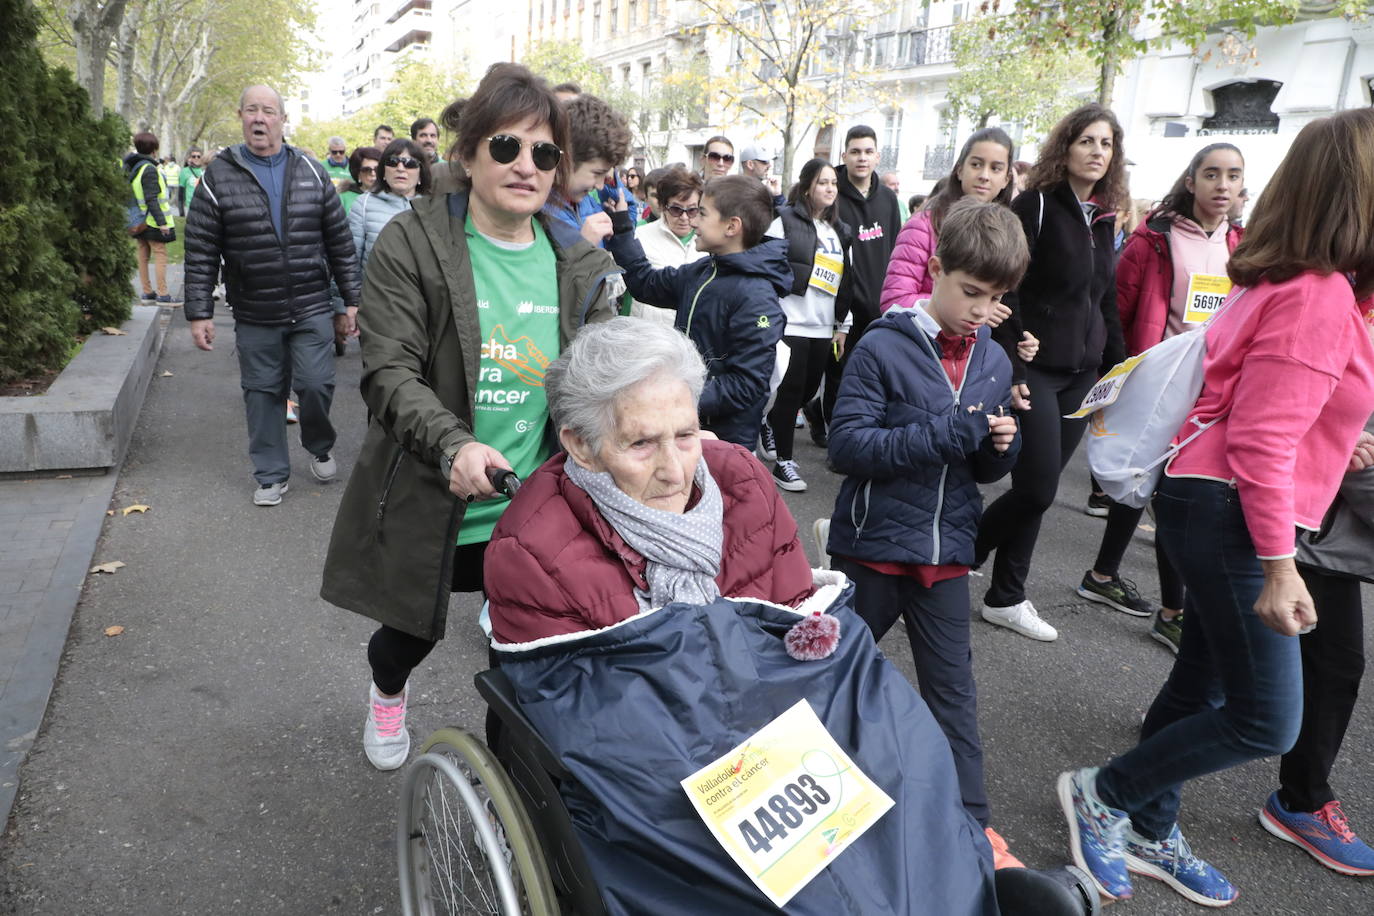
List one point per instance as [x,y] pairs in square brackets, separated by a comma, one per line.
[872,212]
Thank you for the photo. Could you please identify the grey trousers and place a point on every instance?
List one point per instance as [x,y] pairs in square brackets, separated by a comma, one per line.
[273,361]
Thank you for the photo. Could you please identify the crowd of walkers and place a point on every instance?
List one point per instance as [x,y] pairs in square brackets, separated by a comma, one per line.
[929,355]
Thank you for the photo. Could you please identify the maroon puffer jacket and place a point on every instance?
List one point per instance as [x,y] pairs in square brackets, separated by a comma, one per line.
[1145,282]
[556,566]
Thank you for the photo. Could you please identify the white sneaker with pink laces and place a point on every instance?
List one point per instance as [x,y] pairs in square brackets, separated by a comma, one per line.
[385,739]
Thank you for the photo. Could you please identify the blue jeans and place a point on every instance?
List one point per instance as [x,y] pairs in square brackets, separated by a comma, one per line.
[1235,692]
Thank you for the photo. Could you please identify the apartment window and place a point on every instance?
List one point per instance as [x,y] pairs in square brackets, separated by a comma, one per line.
[653,10]
[615,16]
[644,79]
[892,140]
[625,75]
[634,13]
[596,19]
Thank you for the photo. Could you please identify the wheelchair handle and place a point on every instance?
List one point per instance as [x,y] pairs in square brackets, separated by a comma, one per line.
[504,481]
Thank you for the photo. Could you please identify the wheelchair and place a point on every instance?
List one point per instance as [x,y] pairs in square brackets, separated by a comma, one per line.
[484,831]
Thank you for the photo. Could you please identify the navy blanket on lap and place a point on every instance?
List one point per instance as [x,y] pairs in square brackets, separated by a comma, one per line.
[633,709]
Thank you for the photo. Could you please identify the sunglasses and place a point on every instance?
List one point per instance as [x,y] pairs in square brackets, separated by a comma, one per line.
[337,152]
[727,158]
[504,149]
[368,170]
[404,162]
[680,212]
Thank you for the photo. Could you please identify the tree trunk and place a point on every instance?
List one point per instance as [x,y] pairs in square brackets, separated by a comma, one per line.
[1106,75]
[94,25]
[788,126]
[126,55]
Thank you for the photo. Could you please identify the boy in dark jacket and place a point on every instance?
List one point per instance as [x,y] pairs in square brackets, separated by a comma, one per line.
[728,304]
[921,418]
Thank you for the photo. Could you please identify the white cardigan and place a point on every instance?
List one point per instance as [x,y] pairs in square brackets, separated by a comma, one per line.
[663,249]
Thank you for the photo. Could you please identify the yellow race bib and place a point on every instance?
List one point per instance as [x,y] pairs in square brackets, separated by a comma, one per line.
[826,273]
[1206,293]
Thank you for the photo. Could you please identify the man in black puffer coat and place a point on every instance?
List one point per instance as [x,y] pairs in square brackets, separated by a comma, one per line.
[271,215]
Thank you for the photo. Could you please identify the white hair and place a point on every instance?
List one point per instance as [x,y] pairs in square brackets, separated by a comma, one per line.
[604,361]
[339,140]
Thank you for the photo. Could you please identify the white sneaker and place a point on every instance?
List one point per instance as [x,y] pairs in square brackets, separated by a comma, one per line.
[820,530]
[1023,619]
[269,494]
[385,739]
[324,468]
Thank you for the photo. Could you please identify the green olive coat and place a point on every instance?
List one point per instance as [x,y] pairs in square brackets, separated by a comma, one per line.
[391,552]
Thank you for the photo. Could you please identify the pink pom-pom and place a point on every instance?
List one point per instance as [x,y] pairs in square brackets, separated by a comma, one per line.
[813,638]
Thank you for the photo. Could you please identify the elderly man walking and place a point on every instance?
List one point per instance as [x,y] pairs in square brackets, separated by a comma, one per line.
[272,216]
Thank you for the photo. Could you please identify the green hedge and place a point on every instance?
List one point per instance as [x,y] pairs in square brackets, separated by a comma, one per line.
[65,260]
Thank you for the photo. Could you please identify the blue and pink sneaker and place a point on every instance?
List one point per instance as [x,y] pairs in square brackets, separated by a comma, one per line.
[1172,861]
[1324,834]
[1096,833]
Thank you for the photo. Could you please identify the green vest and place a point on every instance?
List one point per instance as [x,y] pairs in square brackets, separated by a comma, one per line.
[163,201]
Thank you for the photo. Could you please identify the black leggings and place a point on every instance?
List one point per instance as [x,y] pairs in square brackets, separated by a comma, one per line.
[1011,524]
[1121,525]
[394,653]
[804,373]
[1332,666]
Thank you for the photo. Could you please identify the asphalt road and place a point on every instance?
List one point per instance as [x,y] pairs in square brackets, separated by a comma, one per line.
[208,760]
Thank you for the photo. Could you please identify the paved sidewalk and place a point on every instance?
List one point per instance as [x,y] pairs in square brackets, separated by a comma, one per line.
[48,532]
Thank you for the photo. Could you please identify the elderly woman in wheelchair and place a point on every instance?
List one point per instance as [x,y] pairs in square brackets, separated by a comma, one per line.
[692,720]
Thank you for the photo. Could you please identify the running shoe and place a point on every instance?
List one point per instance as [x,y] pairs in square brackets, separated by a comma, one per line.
[1023,619]
[269,494]
[324,468]
[1117,593]
[768,443]
[1172,861]
[787,477]
[1168,633]
[1099,504]
[385,739]
[291,416]
[1001,856]
[1096,833]
[1324,834]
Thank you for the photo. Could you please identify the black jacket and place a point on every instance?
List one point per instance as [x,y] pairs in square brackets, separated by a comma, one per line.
[800,232]
[1068,296]
[875,221]
[270,280]
[729,306]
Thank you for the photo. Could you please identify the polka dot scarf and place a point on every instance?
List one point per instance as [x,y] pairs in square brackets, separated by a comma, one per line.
[683,550]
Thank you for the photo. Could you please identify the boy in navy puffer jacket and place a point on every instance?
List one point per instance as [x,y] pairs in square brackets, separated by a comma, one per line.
[921,418]
[729,304]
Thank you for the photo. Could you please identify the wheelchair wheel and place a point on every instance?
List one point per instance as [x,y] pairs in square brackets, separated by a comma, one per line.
[464,842]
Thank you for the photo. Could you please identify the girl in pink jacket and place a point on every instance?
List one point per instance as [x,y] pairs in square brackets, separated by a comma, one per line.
[983,170]
[1288,378]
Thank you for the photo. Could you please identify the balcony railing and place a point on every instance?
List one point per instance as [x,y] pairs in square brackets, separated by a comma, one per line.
[912,48]
[938,162]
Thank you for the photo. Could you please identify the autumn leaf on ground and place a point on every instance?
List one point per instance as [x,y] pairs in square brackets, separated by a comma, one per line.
[109,567]
[166,374]
[114,332]
[113,631]
[109,512]
[138,507]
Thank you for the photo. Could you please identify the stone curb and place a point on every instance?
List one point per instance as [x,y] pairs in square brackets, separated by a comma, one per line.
[86,418]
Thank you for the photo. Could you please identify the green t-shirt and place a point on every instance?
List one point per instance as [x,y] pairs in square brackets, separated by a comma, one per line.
[189,179]
[517,305]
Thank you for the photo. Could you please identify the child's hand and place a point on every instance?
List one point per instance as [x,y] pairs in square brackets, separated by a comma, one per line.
[1002,430]
[619,204]
[597,228]
[1028,347]
[1000,313]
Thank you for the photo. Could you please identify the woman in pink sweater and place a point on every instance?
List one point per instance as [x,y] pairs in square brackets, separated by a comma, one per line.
[1288,378]
[983,170]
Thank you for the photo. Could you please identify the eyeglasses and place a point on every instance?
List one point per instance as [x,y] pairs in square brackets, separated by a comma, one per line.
[679,212]
[504,149]
[727,158]
[404,162]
